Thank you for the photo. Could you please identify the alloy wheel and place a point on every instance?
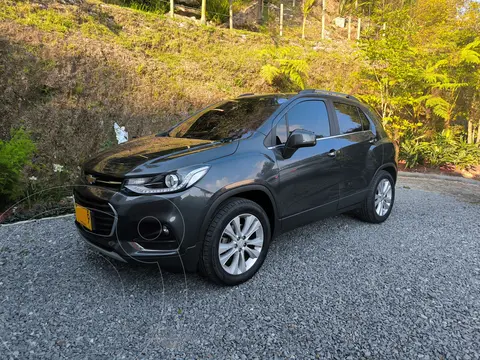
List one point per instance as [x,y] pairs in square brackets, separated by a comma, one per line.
[383,197]
[241,244]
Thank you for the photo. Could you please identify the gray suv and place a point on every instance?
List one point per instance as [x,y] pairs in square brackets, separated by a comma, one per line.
[210,193]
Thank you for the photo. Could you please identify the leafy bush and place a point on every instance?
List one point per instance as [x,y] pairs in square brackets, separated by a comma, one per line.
[155,6]
[217,10]
[445,148]
[412,152]
[450,148]
[15,154]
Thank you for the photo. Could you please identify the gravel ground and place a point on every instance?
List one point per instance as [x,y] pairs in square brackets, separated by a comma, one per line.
[339,288]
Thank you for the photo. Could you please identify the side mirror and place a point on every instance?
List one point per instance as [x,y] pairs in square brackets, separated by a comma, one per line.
[297,139]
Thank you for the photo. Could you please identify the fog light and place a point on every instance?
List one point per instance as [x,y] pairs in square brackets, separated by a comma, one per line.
[149,228]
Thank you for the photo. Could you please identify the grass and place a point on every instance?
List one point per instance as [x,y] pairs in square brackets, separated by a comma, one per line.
[68,72]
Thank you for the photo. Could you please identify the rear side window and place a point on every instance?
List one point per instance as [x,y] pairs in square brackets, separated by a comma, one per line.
[365,121]
[308,115]
[349,119]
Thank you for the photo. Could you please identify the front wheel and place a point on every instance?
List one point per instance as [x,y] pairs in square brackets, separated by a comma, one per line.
[378,204]
[236,242]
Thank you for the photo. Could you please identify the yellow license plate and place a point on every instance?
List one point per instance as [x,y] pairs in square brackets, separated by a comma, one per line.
[83,216]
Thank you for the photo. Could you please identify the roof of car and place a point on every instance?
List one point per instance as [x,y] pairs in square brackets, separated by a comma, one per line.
[302,92]
[274,95]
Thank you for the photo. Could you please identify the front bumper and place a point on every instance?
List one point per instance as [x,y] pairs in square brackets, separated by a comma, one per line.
[162,229]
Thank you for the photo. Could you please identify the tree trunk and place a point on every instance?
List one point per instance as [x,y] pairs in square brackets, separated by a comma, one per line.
[470,132]
[203,19]
[478,133]
[172,6]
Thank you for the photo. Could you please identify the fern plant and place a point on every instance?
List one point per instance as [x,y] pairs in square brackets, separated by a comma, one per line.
[283,69]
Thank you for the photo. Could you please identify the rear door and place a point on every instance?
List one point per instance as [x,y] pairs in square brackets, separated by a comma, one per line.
[355,155]
[309,179]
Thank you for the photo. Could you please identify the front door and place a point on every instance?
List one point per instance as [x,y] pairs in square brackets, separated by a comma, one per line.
[308,180]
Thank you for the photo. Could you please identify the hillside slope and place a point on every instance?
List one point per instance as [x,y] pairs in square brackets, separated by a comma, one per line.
[70,71]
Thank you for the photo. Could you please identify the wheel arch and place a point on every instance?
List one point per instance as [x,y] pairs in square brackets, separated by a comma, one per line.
[391,168]
[259,194]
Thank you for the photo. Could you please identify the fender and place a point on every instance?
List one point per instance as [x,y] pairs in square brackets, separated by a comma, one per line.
[220,197]
[390,164]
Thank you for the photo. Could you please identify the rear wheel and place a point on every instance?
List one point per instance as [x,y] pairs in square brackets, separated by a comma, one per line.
[236,242]
[378,204]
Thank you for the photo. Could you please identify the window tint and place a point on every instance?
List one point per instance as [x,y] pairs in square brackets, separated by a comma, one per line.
[348,118]
[311,116]
[365,121]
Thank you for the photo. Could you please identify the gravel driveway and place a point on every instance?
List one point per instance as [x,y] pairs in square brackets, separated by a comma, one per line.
[339,288]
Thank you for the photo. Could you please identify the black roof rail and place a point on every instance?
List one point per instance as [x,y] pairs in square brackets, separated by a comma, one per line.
[246,94]
[326,92]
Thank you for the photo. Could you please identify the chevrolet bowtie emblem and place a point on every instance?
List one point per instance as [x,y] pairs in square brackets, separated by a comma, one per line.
[90,179]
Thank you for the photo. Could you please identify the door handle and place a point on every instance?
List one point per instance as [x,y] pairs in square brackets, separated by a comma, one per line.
[372,140]
[332,153]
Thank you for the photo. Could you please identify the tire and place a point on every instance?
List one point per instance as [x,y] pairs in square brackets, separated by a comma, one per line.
[210,262]
[368,211]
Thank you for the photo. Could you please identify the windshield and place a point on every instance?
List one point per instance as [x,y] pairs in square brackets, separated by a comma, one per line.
[228,120]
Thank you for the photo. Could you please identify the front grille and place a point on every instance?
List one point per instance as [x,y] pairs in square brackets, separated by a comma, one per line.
[104,181]
[103,217]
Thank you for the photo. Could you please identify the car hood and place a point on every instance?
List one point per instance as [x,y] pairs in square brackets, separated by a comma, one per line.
[154,155]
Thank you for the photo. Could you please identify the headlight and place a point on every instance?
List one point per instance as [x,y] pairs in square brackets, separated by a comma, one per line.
[167,183]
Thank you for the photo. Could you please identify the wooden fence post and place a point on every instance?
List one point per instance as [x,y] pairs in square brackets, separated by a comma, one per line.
[230,13]
[349,27]
[324,5]
[203,18]
[172,6]
[359,28]
[281,19]
[260,11]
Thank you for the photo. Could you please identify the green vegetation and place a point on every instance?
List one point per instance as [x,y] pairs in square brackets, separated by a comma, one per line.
[15,154]
[422,74]
[284,68]
[445,148]
[68,72]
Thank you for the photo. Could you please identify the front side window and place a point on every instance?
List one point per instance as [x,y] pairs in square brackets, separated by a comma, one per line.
[348,117]
[228,120]
[308,115]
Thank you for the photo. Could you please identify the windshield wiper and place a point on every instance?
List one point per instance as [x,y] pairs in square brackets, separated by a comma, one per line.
[164,134]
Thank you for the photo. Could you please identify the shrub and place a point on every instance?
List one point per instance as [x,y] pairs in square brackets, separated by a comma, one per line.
[15,154]
[449,147]
[155,6]
[412,152]
[446,148]
[217,10]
